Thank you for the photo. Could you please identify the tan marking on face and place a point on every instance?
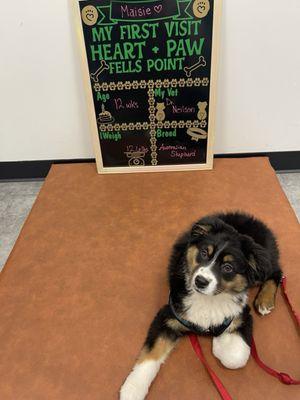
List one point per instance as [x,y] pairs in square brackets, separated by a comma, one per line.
[161,348]
[210,249]
[266,296]
[191,257]
[228,258]
[238,284]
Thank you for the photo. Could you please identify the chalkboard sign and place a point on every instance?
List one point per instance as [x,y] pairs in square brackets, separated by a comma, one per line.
[150,74]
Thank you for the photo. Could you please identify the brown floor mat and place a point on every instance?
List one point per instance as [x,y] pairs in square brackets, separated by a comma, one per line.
[88,273]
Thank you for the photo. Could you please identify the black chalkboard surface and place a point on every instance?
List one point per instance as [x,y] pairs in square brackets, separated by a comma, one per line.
[150,70]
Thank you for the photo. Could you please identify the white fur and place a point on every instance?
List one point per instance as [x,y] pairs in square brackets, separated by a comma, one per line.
[205,310]
[139,380]
[206,272]
[231,350]
[264,310]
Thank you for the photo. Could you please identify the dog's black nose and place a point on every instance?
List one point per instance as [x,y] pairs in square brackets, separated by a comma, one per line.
[201,282]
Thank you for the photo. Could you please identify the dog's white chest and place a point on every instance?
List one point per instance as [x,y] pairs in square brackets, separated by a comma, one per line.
[206,311]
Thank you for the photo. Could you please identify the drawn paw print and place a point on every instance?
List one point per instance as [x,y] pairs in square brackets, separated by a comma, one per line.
[97,87]
[127,85]
[160,125]
[189,82]
[154,162]
[167,124]
[123,126]
[117,127]
[152,109]
[201,8]
[205,81]
[151,92]
[135,84]
[174,82]
[131,126]
[105,86]
[112,86]
[143,84]
[166,83]
[196,124]
[145,125]
[197,82]
[102,127]
[203,124]
[173,124]
[181,124]
[89,15]
[120,85]
[158,83]
[151,101]
[151,84]
[138,126]
[181,82]
[153,148]
[188,124]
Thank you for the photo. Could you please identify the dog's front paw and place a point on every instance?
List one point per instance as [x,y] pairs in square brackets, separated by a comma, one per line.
[130,391]
[264,304]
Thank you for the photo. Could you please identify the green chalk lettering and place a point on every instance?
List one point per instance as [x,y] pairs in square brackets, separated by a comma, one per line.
[102,33]
[115,136]
[184,47]
[182,28]
[138,32]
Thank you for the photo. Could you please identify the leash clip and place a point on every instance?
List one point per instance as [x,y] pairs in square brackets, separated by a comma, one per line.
[285,378]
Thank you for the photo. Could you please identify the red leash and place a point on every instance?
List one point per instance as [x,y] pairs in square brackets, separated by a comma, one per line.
[282,376]
[198,350]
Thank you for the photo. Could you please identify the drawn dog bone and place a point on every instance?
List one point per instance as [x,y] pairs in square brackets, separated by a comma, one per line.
[103,67]
[201,63]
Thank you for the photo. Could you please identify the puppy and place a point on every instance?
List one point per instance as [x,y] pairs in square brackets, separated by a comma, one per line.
[210,270]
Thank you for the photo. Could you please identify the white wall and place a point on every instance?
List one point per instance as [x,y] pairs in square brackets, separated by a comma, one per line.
[42,105]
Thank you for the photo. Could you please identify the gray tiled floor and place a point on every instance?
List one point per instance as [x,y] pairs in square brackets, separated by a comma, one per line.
[17,198]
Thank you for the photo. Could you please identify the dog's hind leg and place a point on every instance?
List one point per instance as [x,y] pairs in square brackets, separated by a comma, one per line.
[265,300]
[161,339]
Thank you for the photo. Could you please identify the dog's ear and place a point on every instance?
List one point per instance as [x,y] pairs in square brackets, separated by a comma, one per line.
[257,259]
[208,225]
[200,229]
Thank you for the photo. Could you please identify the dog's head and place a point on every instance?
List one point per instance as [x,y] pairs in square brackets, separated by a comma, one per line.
[219,259]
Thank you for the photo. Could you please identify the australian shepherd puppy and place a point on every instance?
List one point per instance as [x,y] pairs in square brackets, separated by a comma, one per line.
[211,268]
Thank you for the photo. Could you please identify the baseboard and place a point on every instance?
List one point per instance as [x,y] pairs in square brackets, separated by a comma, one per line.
[281,161]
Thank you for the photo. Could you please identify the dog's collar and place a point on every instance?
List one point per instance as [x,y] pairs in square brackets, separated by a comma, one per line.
[212,330]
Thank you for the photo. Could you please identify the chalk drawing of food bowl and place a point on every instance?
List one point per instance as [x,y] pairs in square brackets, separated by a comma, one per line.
[136,158]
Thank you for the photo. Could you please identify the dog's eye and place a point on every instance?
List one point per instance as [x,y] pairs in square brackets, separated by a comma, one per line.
[204,253]
[227,268]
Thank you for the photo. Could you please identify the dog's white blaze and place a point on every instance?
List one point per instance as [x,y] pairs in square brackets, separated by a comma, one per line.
[231,350]
[206,311]
[206,272]
[139,380]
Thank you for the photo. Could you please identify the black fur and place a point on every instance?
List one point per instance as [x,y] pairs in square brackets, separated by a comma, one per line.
[256,258]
